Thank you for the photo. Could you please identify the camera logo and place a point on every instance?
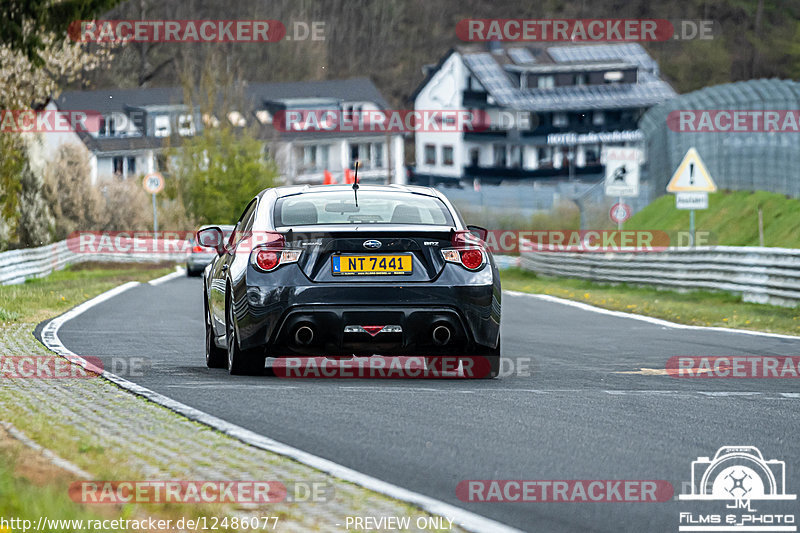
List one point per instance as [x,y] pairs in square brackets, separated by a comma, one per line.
[738,475]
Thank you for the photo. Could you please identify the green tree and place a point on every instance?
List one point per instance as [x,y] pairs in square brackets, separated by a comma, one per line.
[217,172]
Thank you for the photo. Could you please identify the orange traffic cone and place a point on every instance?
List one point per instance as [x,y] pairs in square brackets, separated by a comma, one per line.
[328,180]
[348,176]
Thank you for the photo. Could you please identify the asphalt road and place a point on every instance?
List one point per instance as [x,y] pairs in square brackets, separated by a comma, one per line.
[573,414]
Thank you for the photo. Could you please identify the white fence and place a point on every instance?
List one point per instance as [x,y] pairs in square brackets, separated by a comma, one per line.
[762,275]
[18,265]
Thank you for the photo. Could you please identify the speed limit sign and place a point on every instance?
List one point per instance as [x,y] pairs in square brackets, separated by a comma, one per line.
[620,212]
[153,182]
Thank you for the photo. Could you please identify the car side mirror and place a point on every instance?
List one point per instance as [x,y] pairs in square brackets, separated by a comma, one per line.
[479,232]
[212,238]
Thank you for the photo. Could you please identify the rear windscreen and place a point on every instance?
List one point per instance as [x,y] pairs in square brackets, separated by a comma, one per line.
[373,207]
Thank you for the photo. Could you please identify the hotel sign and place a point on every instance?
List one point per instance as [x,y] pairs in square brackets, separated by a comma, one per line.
[594,137]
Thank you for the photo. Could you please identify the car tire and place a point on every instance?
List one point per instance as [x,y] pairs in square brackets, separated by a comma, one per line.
[191,273]
[240,362]
[215,357]
[493,356]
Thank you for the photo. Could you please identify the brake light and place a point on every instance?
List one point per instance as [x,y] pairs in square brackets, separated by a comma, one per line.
[469,258]
[197,249]
[269,256]
[472,258]
[267,259]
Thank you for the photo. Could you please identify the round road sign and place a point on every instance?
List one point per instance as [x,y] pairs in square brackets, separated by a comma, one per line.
[153,182]
[620,212]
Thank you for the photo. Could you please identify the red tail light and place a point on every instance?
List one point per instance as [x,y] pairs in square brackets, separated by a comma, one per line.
[197,249]
[267,259]
[269,256]
[472,259]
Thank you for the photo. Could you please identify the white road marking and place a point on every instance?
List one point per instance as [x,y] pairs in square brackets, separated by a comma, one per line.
[652,320]
[466,519]
[179,271]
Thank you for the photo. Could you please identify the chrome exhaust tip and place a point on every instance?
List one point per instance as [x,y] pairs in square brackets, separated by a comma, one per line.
[441,335]
[304,335]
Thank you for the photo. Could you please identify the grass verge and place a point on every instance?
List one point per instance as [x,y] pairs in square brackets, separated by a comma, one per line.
[697,308]
[731,217]
[43,298]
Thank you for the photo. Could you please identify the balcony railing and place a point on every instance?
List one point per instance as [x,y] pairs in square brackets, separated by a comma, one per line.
[499,172]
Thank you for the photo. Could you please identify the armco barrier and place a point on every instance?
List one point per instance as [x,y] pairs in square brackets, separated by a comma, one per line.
[762,275]
[18,265]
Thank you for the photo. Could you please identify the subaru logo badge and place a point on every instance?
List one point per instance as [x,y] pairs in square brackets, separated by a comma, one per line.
[372,244]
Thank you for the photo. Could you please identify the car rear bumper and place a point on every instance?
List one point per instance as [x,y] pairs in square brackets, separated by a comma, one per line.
[271,317]
[197,262]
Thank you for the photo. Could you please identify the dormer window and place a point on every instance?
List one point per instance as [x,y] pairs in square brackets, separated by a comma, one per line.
[236,119]
[107,127]
[264,116]
[161,125]
[546,82]
[613,76]
[185,125]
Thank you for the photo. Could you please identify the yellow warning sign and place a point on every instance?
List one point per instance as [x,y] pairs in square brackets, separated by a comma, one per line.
[692,175]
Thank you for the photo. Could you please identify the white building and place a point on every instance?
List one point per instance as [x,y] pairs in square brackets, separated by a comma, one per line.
[138,125]
[551,110]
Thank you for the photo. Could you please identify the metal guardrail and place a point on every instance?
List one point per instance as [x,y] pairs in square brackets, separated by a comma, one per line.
[761,275]
[18,265]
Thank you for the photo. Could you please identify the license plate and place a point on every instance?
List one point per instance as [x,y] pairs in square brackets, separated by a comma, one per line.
[366,265]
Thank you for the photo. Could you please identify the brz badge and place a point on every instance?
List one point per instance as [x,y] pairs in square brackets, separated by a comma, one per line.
[372,244]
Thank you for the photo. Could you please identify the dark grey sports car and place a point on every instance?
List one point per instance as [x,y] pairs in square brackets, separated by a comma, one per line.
[336,272]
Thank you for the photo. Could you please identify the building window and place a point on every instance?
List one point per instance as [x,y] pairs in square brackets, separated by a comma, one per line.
[560,120]
[118,167]
[185,125]
[430,154]
[516,156]
[580,79]
[447,156]
[378,153]
[592,154]
[310,157]
[161,124]
[613,76]
[107,127]
[474,156]
[546,82]
[598,118]
[499,151]
[315,157]
[545,155]
[131,166]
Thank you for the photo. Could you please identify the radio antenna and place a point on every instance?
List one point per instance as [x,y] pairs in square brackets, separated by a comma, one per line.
[355,182]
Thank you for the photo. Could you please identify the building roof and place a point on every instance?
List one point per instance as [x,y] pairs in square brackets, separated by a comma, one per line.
[491,64]
[109,100]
